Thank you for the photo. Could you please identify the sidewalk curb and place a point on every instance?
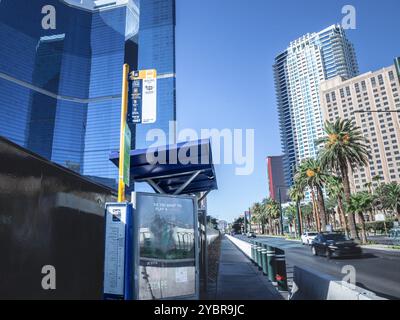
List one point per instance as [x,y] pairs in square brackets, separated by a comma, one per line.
[380,248]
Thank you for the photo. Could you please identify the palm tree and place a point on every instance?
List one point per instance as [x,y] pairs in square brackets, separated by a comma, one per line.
[307,213]
[361,202]
[311,174]
[256,210]
[334,188]
[290,214]
[344,148]
[377,178]
[390,195]
[331,210]
[296,193]
[368,186]
[273,213]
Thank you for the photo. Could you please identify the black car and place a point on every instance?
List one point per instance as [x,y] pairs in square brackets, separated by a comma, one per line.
[334,245]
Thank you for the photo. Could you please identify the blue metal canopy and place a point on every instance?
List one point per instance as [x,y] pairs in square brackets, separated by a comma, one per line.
[182,168]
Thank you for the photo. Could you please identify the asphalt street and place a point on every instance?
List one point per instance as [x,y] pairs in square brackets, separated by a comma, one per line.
[376,270]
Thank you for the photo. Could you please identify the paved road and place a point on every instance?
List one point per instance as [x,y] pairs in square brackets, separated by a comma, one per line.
[377,271]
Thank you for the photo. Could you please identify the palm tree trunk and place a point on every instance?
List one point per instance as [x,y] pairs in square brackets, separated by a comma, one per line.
[301,219]
[363,232]
[321,208]
[315,211]
[347,194]
[342,216]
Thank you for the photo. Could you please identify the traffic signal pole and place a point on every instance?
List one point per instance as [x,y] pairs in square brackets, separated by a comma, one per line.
[124,111]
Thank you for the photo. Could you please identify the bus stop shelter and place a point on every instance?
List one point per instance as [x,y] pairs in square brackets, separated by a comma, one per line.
[180,169]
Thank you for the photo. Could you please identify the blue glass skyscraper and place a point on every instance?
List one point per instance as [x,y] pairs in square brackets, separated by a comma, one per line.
[157,51]
[60,88]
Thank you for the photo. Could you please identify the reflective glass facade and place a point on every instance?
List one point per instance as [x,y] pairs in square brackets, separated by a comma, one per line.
[157,51]
[60,88]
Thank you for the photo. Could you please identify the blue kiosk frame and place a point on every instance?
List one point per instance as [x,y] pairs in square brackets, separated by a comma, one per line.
[194,177]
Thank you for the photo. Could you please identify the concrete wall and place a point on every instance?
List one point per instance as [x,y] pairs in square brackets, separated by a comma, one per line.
[49,216]
[244,246]
[310,284]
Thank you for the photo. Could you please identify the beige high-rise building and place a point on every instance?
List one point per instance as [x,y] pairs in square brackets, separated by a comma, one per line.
[372,101]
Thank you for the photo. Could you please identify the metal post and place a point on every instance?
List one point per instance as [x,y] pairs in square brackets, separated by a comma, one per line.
[245,222]
[253,254]
[271,263]
[204,252]
[250,219]
[257,254]
[264,259]
[280,211]
[280,276]
[299,226]
[124,111]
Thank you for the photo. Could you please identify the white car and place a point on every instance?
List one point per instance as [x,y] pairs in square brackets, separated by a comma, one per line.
[307,237]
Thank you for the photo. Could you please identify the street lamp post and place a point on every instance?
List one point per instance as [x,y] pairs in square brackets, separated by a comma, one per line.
[280,207]
[250,220]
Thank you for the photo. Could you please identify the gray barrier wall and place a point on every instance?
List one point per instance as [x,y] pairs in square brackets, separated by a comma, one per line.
[310,284]
[49,216]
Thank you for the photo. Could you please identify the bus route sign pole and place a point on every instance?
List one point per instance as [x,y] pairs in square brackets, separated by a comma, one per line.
[124,135]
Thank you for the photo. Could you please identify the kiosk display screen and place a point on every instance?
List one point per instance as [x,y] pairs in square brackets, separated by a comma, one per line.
[167,261]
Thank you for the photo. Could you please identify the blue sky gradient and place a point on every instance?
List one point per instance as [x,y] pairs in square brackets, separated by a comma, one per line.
[225,53]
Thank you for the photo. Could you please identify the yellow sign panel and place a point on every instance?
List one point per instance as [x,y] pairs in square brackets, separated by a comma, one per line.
[144,74]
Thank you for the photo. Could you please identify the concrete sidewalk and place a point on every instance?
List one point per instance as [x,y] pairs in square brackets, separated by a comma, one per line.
[239,279]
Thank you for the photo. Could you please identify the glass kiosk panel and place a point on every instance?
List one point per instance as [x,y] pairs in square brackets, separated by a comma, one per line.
[167,246]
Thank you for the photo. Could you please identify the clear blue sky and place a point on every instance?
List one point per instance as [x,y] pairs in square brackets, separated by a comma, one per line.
[225,52]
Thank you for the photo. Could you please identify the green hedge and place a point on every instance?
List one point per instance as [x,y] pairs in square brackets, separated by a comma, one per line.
[377,226]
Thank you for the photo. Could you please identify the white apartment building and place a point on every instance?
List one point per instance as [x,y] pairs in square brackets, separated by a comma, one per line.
[299,70]
[372,101]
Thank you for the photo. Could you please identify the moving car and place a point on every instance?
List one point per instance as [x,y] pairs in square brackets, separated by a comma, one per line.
[251,235]
[332,244]
[307,237]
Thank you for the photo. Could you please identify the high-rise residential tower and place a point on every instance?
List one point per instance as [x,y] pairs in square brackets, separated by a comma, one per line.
[157,51]
[298,72]
[372,102]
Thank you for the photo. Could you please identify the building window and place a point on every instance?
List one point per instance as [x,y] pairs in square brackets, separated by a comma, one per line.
[380,80]
[328,98]
[363,85]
